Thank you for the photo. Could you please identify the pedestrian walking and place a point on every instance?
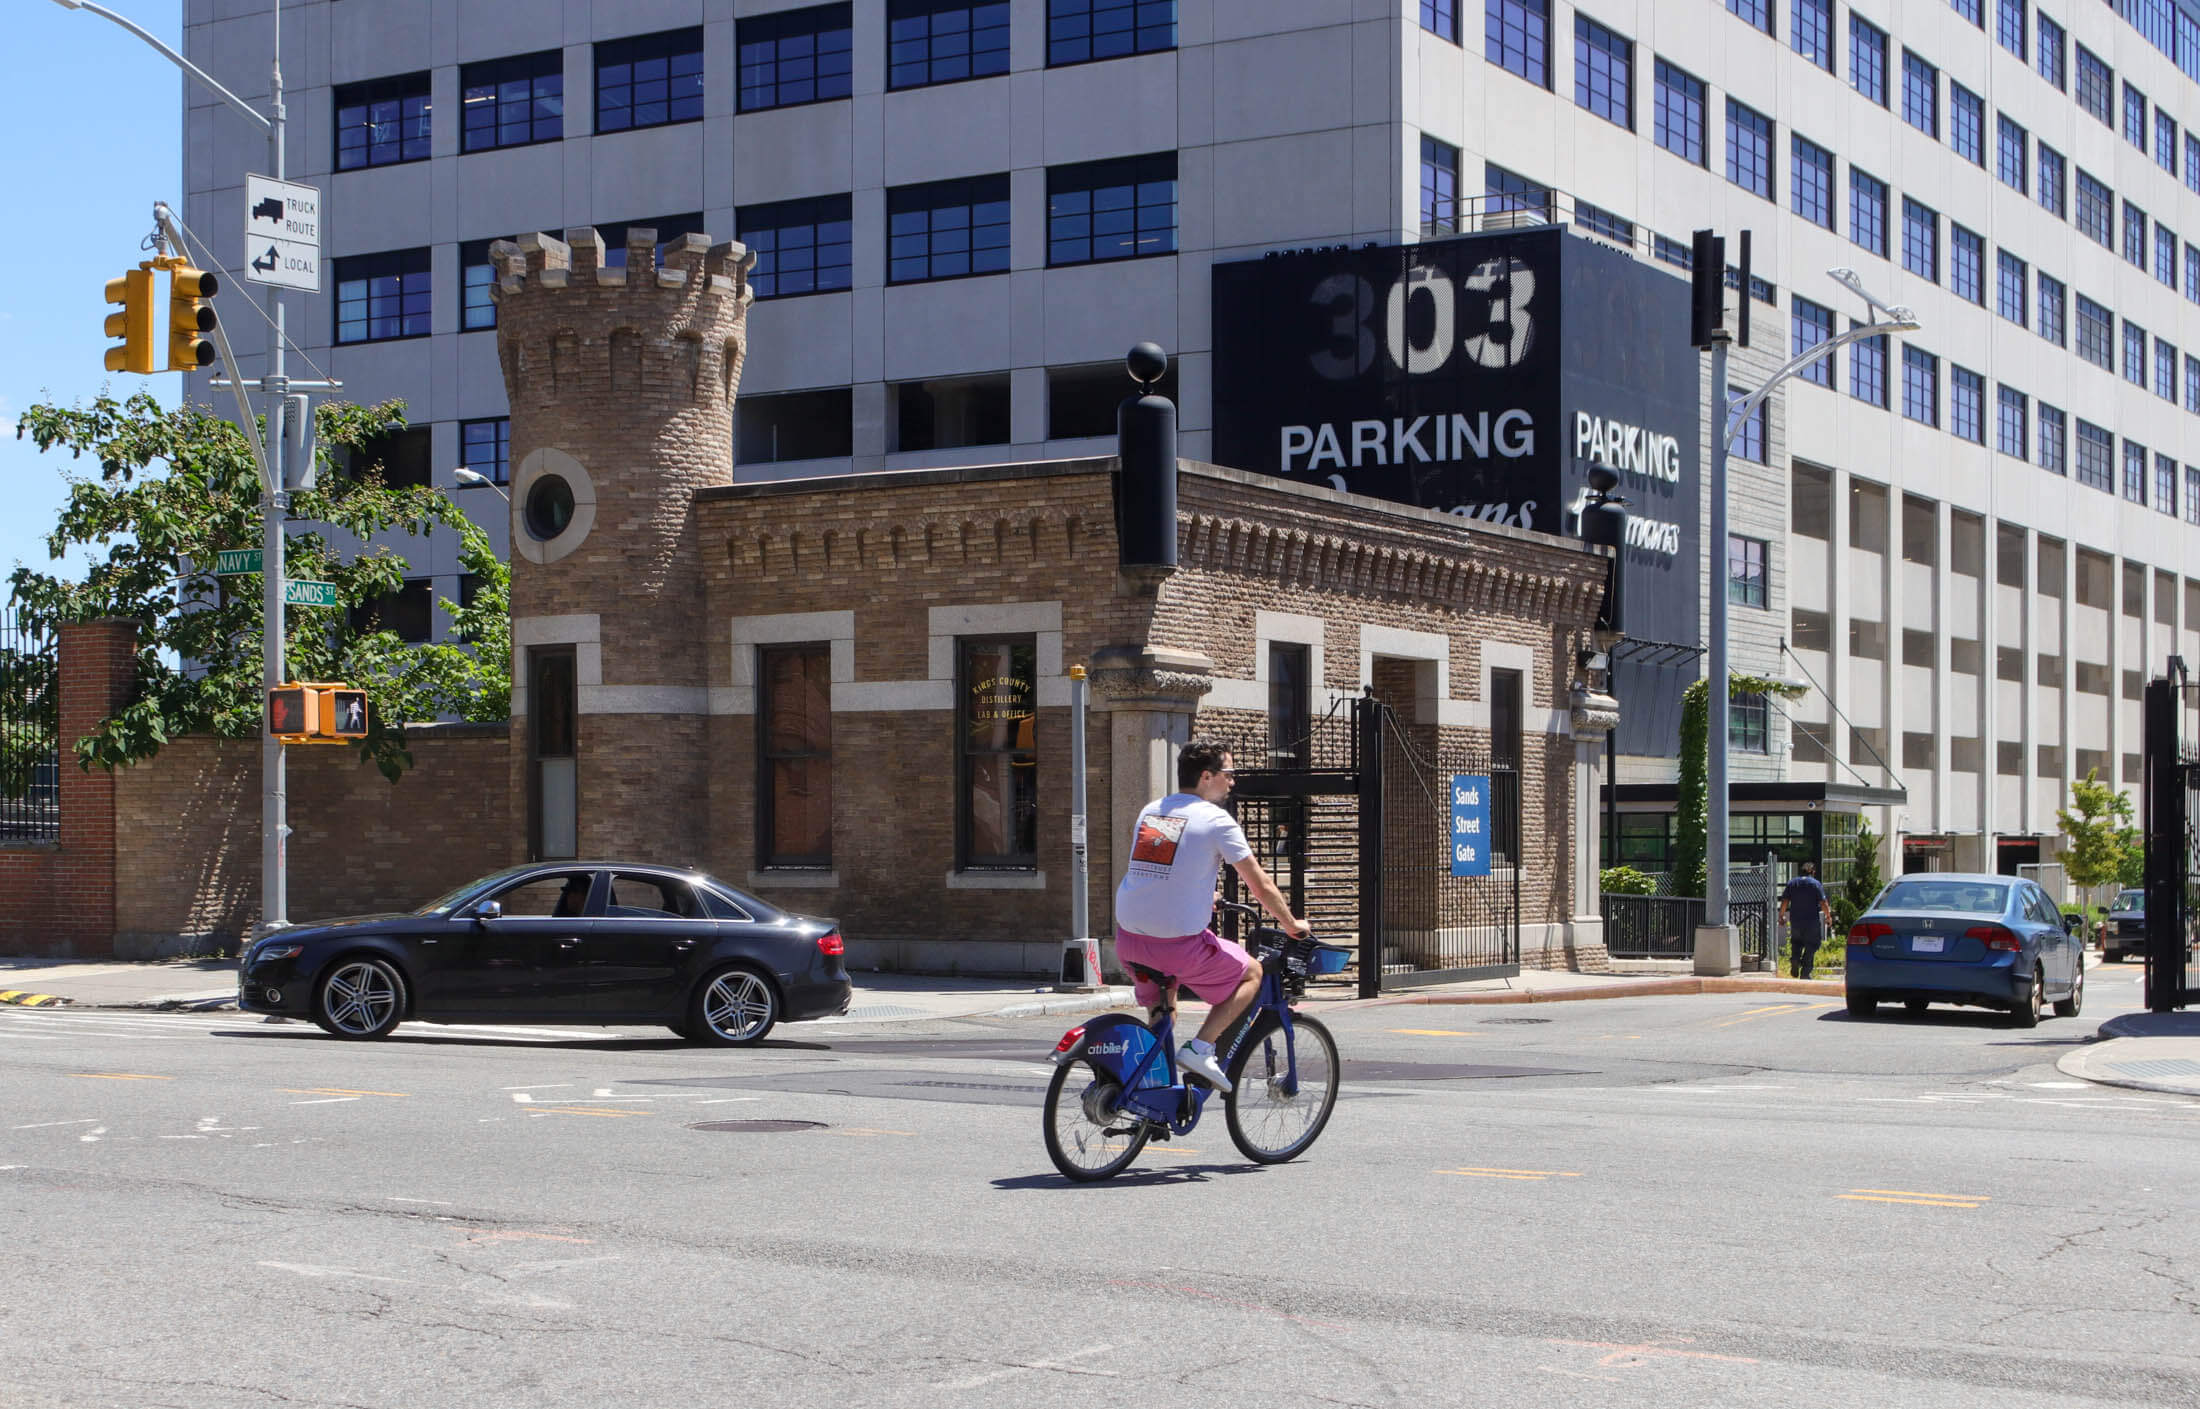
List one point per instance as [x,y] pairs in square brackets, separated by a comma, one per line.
[1808,915]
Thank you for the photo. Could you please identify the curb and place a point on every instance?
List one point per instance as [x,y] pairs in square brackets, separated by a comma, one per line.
[1653,988]
[2076,1064]
[17,998]
[1105,999]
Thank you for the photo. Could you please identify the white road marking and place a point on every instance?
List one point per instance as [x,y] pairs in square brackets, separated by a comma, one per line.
[325,1101]
[1061,1363]
[2059,1085]
[92,1137]
[303,1269]
[397,1199]
[45,1124]
[553,1086]
[727,1100]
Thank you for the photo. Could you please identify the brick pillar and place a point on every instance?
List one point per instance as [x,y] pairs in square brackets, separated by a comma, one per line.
[97,666]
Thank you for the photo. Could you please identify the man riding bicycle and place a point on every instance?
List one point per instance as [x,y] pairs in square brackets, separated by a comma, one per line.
[1168,894]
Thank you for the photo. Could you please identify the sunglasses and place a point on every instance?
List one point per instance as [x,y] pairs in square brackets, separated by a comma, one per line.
[1225,772]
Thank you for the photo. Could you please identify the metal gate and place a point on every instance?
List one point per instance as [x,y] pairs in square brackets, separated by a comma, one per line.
[2172,842]
[30,776]
[1354,821]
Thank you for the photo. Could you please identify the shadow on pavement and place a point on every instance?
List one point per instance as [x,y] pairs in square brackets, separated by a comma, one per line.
[1132,1178]
[305,1031]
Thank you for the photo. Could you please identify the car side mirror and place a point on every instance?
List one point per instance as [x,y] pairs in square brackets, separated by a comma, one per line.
[488,910]
[2073,924]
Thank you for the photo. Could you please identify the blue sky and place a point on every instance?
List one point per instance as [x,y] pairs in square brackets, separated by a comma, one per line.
[97,122]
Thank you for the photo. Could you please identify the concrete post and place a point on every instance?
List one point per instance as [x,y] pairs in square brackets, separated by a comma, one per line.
[1150,695]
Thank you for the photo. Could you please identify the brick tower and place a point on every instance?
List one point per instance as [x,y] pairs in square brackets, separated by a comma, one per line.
[621,384]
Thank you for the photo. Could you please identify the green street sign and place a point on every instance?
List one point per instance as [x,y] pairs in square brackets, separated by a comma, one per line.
[232,561]
[309,594]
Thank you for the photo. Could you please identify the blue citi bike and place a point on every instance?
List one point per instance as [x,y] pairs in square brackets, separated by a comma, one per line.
[1116,1083]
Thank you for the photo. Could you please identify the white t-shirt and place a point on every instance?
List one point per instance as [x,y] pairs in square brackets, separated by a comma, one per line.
[1169,889]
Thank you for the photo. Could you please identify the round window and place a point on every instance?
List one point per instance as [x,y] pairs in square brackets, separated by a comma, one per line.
[549,506]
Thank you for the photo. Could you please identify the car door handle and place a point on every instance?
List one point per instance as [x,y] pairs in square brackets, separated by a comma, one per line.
[683,945]
[569,944]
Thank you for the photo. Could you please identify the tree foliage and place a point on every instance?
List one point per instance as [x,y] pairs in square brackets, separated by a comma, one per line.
[1692,805]
[1865,881]
[1626,880]
[172,490]
[2103,847]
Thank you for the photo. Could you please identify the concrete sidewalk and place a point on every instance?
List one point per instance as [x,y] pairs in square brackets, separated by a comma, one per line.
[2144,1051]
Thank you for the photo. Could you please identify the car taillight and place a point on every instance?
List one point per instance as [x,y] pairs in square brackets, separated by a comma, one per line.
[1995,937]
[1069,1039]
[1865,931]
[831,944]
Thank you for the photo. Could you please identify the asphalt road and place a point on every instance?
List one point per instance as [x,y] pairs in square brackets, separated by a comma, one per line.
[1669,1201]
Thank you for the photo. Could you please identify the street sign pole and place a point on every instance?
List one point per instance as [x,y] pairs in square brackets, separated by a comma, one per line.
[274,504]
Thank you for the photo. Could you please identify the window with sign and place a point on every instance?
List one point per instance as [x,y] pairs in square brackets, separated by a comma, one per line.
[1507,707]
[997,757]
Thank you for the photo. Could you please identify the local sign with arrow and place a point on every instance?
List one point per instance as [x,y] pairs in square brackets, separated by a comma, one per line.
[282,233]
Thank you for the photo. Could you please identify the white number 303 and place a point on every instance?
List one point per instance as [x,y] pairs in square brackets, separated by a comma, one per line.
[1500,290]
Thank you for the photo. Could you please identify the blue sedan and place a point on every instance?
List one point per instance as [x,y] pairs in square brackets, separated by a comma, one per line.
[1987,941]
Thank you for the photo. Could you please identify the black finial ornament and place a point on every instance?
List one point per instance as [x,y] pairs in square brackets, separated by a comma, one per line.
[1145,482]
[1148,365]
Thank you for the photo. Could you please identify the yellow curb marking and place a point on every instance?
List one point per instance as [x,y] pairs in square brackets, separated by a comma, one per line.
[1912,1196]
[332,1091]
[1536,1175]
[20,999]
[120,1076]
[1436,1032]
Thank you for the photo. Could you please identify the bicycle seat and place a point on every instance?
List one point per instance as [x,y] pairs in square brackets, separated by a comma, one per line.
[1153,976]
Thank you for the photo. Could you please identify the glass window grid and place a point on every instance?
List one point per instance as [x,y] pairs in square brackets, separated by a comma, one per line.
[1920,385]
[383,297]
[477,309]
[2192,494]
[2192,162]
[383,122]
[2048,54]
[1757,14]
[1749,149]
[2096,210]
[794,57]
[2135,235]
[944,41]
[2096,86]
[2054,448]
[2192,384]
[1970,10]
[2012,146]
[2096,334]
[1439,187]
[1868,211]
[2165,485]
[2135,117]
[1745,570]
[2165,141]
[2010,28]
[2096,457]
[1750,432]
[1811,324]
[1441,18]
[1673,252]
[801,247]
[1085,31]
[1920,239]
[2053,181]
[2165,370]
[2013,421]
[1920,95]
[1966,264]
[485,447]
[1679,121]
[2192,272]
[947,229]
[1810,180]
[2135,353]
[1966,123]
[512,102]
[1868,58]
[2014,283]
[651,80]
[1604,72]
[1508,191]
[2135,472]
[1868,371]
[1516,36]
[1608,224]
[1810,31]
[2053,308]
[1108,210]
[1966,404]
[2165,255]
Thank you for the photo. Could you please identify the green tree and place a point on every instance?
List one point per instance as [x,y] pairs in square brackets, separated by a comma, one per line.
[173,489]
[2103,847]
[1864,881]
[1693,798]
[1625,880]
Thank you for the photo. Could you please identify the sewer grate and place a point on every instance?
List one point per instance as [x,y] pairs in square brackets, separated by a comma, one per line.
[2163,1066]
[758,1127]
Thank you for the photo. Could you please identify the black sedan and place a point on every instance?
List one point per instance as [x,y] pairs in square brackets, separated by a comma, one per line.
[593,942]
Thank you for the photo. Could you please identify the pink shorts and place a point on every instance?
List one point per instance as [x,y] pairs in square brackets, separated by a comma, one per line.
[1207,964]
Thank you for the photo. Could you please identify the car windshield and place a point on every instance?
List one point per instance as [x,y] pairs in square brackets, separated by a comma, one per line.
[1955,897]
[2129,900]
[451,900]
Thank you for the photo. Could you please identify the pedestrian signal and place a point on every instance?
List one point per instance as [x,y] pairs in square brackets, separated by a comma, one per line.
[347,713]
[316,713]
[290,713]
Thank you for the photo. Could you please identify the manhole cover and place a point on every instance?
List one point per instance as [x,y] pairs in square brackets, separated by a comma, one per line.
[1494,1021]
[758,1127]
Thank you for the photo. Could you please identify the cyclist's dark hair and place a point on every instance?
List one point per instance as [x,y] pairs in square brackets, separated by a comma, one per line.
[1197,757]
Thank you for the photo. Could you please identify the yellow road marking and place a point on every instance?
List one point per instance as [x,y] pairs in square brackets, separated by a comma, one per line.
[1538,1175]
[1913,1196]
[1777,1011]
[1921,1203]
[1921,1194]
[120,1076]
[1436,1032]
[332,1091]
[18,998]
[1169,1150]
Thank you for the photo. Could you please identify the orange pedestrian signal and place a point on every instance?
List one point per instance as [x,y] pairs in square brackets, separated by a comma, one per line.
[345,713]
[317,714]
[290,713]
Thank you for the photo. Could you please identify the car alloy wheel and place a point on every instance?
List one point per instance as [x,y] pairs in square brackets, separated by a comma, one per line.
[2029,1014]
[735,1007]
[2068,1007]
[360,998]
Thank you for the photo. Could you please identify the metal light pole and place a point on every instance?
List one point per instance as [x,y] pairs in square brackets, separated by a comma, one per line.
[1081,943]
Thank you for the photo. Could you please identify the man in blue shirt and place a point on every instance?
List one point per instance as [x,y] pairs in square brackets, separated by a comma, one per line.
[1808,915]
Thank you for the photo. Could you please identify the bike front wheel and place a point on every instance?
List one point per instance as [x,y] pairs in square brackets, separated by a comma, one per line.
[1088,1136]
[1268,1123]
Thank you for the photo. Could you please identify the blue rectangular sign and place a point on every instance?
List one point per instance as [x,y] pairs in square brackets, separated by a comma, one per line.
[1470,824]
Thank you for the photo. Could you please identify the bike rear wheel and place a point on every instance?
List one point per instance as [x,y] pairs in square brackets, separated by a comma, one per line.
[1088,1137]
[1268,1124]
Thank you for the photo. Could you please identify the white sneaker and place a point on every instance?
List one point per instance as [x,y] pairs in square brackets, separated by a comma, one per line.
[1204,1066]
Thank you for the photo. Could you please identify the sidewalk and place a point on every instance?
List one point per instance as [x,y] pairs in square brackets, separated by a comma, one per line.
[2144,1051]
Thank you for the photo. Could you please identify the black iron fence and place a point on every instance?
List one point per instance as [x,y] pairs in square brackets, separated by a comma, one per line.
[30,774]
[1664,926]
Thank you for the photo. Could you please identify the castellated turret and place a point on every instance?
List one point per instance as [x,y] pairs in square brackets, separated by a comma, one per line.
[621,383]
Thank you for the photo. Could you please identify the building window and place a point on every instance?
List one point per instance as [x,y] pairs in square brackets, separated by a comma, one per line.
[801,247]
[1920,385]
[2165,256]
[944,41]
[408,613]
[2135,235]
[1757,14]
[402,458]
[1604,72]
[949,413]
[2096,334]
[2135,472]
[2096,86]
[2013,284]
[2192,272]
[1439,187]
[946,229]
[1680,113]
[2096,211]
[794,56]
[2192,386]
[1597,220]
[1749,149]
[1868,58]
[382,122]
[2053,181]
[1508,192]
[2010,28]
[1672,252]
[1971,10]
[2012,147]
[2053,306]
[2048,53]
[2135,117]
[1966,123]
[1810,32]
[2012,421]
[485,447]
[1920,239]
[651,80]
[477,308]
[1104,210]
[1967,264]
[794,729]
[2165,371]
[1441,18]
[1812,324]
[1745,571]
[1966,404]
[1810,181]
[1507,711]
[2192,162]
[1747,726]
[382,297]
[2054,444]
[1079,31]
[512,102]
[1516,36]
[2192,494]
[2165,485]
[1290,704]
[1920,95]
[2135,353]
[2165,141]
[1868,211]
[996,717]
[1868,370]
[2096,457]
[1749,431]
[793,425]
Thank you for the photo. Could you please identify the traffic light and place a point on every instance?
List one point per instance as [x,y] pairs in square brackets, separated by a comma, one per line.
[290,711]
[189,317]
[344,713]
[134,324]
[316,713]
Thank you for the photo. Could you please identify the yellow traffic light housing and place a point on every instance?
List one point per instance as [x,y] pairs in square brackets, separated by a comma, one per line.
[344,712]
[190,317]
[307,713]
[134,324]
[290,712]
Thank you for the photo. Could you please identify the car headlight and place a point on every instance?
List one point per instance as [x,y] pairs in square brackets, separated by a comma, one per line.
[276,951]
